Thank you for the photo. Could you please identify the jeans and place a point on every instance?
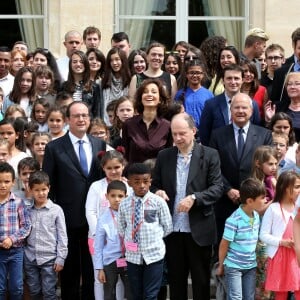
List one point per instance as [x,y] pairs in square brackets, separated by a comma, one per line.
[145,280]
[112,274]
[11,267]
[240,283]
[41,279]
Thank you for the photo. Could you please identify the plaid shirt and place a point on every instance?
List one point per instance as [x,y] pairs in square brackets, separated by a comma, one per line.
[14,221]
[156,224]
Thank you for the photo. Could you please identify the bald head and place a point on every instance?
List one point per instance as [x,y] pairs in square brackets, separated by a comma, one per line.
[73,41]
[183,132]
[241,109]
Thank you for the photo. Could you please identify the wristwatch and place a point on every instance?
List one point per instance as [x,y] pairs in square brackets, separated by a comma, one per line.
[193,196]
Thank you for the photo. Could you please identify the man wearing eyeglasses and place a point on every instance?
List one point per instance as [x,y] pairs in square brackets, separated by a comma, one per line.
[275,59]
[292,64]
[71,163]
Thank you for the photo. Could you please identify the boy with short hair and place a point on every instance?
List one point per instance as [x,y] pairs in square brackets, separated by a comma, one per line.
[275,59]
[237,257]
[26,166]
[109,246]
[46,248]
[144,220]
[14,228]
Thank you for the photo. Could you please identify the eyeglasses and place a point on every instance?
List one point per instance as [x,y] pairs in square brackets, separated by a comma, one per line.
[196,73]
[274,58]
[191,57]
[78,116]
[42,49]
[172,52]
[98,133]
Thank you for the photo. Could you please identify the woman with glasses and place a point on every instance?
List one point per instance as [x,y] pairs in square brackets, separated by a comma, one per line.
[291,107]
[193,96]
[155,58]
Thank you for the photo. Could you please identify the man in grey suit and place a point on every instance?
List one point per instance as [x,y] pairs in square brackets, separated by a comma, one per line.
[70,177]
[236,144]
[188,176]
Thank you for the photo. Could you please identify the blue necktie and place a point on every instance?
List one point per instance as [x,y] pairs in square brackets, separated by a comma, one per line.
[82,158]
[137,217]
[241,143]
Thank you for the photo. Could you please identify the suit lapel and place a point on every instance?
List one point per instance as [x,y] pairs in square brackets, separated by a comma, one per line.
[250,141]
[172,166]
[224,109]
[69,149]
[197,155]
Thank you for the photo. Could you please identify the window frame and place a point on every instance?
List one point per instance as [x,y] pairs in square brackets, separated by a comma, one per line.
[182,18]
[43,16]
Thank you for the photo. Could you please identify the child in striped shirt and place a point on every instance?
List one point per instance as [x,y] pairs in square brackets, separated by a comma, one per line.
[237,257]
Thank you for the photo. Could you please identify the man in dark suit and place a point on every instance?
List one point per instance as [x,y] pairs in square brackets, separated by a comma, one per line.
[236,144]
[188,176]
[216,112]
[71,176]
[292,64]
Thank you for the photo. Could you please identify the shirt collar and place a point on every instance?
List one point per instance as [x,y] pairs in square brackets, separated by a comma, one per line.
[227,98]
[146,196]
[75,139]
[48,205]
[246,127]
[157,120]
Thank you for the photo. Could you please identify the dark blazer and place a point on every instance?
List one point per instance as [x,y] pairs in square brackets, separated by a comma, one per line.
[69,185]
[215,115]
[204,180]
[278,90]
[234,171]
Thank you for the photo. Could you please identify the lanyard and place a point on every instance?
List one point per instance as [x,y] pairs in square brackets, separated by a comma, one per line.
[121,238]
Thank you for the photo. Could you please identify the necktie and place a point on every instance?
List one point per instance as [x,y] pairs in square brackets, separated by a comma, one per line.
[137,217]
[241,143]
[82,158]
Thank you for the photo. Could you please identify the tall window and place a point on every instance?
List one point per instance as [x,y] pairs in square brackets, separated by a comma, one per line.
[169,21]
[23,20]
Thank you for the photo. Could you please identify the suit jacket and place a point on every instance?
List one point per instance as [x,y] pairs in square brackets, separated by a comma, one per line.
[69,184]
[279,92]
[215,115]
[204,180]
[234,171]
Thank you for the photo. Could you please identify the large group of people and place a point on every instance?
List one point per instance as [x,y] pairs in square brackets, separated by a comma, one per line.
[126,173]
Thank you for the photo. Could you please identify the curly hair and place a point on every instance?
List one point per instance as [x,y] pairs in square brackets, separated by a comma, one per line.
[210,48]
[163,95]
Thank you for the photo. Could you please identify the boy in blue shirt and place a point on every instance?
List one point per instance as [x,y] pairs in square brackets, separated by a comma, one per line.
[109,246]
[144,220]
[14,228]
[237,258]
[46,248]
